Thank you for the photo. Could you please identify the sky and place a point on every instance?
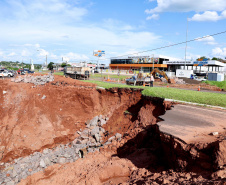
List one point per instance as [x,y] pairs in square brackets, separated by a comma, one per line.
[72,29]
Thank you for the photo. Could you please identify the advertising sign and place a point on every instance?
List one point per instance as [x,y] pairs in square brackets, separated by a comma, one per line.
[177,62]
[98,53]
[200,63]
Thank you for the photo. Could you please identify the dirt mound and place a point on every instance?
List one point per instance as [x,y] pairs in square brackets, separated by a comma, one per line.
[95,169]
[190,81]
[37,117]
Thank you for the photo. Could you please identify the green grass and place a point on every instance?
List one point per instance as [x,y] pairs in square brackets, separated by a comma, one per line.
[215,99]
[221,85]
[120,77]
[61,73]
[107,85]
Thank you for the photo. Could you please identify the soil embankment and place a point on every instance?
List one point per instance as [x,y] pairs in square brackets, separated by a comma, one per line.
[39,117]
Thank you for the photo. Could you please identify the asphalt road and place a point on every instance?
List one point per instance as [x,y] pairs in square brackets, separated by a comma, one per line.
[191,123]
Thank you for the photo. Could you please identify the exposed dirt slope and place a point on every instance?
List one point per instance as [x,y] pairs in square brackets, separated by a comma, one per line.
[33,118]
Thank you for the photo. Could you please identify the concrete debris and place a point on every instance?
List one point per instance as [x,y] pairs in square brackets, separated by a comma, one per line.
[214,133]
[176,80]
[44,97]
[37,80]
[4,92]
[118,136]
[89,140]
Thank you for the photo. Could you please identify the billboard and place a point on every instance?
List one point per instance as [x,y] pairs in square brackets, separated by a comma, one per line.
[98,53]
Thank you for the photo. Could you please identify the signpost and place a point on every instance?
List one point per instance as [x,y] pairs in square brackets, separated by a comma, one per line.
[98,53]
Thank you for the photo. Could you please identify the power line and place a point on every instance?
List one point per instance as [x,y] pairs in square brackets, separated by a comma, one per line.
[171,45]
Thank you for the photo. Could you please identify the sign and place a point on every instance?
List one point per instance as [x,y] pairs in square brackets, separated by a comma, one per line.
[98,53]
[200,63]
[177,62]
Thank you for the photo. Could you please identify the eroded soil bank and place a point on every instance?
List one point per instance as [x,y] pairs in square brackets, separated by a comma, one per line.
[37,117]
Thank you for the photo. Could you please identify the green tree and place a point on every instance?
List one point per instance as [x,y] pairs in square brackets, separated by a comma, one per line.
[214,58]
[63,64]
[50,65]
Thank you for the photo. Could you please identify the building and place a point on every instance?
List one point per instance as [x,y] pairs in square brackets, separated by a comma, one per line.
[197,66]
[148,63]
[144,63]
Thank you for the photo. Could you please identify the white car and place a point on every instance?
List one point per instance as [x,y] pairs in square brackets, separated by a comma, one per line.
[5,74]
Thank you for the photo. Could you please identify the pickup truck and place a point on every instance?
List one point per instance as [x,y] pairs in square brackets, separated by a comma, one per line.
[138,81]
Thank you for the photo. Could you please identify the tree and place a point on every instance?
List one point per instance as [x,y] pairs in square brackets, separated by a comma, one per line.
[214,58]
[203,57]
[63,64]
[50,65]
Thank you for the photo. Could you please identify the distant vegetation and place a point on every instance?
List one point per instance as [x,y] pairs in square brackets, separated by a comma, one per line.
[17,65]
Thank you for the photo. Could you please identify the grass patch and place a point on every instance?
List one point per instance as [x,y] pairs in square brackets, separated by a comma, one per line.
[207,98]
[120,77]
[215,99]
[221,85]
[61,73]
[107,85]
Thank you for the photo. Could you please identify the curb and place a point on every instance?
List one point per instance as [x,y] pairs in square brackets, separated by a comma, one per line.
[212,106]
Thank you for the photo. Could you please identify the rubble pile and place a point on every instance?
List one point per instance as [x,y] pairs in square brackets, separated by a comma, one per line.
[177,80]
[37,80]
[89,140]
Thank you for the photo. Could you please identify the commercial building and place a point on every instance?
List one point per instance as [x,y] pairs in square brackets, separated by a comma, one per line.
[144,63]
[147,63]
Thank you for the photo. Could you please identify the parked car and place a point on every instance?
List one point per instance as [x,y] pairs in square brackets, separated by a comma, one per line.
[10,74]
[5,74]
[30,72]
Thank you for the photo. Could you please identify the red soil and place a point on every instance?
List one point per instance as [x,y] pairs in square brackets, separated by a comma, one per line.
[144,155]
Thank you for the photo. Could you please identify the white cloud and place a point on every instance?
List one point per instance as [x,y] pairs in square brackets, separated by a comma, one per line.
[74,56]
[25,53]
[12,54]
[43,52]
[207,39]
[218,52]
[61,28]
[210,8]
[154,16]
[208,16]
[188,5]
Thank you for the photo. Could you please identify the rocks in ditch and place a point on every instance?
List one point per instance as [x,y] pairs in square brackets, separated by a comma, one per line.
[89,140]
[118,136]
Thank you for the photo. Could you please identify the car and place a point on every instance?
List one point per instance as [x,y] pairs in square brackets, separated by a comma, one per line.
[4,74]
[30,72]
[10,74]
[96,71]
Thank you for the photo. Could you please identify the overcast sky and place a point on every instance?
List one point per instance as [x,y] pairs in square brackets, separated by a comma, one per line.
[72,29]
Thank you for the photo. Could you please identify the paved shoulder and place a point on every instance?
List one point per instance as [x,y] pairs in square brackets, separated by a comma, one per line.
[191,123]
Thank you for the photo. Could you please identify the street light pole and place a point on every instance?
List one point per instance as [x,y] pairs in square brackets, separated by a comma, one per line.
[186,45]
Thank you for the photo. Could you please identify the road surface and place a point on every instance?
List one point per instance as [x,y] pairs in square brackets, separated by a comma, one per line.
[192,123]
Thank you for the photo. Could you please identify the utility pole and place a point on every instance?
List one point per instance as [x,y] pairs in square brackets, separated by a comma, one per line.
[186,45]
[153,63]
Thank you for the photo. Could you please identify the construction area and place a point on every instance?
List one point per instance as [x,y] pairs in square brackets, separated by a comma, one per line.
[57,130]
